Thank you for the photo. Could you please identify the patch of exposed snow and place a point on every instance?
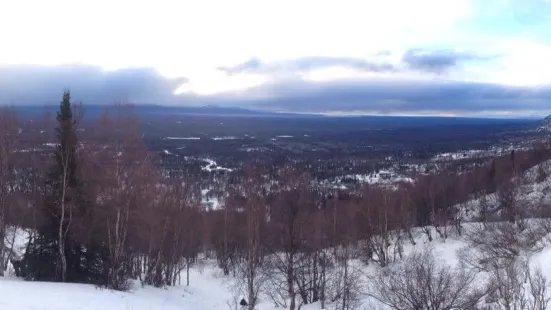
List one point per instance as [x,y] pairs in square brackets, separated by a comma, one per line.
[213,166]
[381,177]
[225,138]
[182,138]
[28,150]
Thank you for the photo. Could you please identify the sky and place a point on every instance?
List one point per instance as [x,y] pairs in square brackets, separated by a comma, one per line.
[399,57]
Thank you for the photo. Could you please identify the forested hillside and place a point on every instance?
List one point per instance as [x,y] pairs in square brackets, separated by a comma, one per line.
[96,208]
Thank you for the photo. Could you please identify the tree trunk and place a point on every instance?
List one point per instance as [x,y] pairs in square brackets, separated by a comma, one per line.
[323,283]
[187,273]
[2,236]
[250,287]
[61,242]
[291,282]
[346,284]
[63,231]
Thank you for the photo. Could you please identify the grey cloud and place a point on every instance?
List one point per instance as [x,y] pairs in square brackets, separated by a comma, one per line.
[438,61]
[391,96]
[433,61]
[252,64]
[321,62]
[307,63]
[37,85]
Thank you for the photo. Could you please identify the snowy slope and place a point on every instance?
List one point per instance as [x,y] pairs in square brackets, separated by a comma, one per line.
[210,290]
[545,124]
[531,192]
[207,290]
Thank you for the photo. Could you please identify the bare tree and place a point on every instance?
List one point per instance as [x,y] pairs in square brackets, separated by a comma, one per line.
[121,166]
[418,282]
[484,209]
[8,139]
[517,287]
[249,195]
[497,245]
[383,240]
[508,201]
[287,213]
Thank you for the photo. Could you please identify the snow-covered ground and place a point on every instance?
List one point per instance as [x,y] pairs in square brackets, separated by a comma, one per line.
[531,192]
[213,166]
[208,201]
[225,138]
[205,292]
[208,289]
[465,154]
[183,138]
[382,177]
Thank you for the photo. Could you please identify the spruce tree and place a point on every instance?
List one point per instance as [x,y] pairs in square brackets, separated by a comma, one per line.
[64,181]
[60,252]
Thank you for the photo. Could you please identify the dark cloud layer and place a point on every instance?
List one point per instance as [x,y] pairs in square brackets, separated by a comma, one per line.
[37,85]
[34,85]
[439,61]
[394,97]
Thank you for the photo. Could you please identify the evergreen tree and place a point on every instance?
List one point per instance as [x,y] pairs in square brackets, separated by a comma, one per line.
[62,251]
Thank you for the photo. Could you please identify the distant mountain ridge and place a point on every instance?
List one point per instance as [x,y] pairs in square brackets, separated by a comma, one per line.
[91,110]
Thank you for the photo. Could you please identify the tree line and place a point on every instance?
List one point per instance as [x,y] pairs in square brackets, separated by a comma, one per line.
[100,210]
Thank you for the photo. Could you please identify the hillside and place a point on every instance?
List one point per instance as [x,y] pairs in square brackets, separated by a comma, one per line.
[211,290]
[474,245]
[100,211]
[546,123]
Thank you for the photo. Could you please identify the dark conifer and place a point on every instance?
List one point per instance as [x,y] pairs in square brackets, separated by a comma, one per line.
[61,250]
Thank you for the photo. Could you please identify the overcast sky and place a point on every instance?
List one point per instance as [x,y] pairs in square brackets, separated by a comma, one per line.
[406,57]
